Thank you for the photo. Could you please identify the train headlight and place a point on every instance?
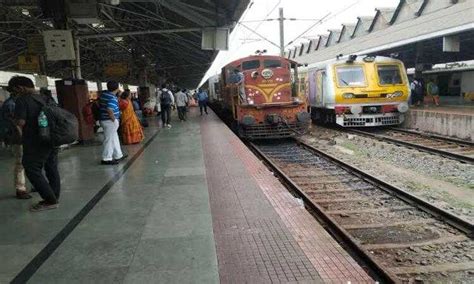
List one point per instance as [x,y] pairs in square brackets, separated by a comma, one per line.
[356,109]
[296,100]
[348,95]
[248,120]
[403,107]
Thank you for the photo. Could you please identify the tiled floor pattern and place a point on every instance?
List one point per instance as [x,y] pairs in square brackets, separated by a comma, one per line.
[253,244]
[329,259]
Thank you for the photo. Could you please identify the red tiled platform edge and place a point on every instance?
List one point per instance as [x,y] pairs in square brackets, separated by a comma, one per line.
[262,233]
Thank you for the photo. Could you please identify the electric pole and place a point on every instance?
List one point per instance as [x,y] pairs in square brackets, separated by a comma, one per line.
[281,19]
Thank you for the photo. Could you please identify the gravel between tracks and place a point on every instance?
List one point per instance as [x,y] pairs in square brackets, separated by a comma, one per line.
[447,183]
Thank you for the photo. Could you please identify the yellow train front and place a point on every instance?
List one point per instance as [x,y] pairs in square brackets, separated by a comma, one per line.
[358,91]
[261,92]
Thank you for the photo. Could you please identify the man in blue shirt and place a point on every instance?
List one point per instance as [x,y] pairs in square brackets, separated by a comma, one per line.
[109,120]
[202,100]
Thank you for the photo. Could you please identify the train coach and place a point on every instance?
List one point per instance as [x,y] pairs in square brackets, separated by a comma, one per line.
[357,91]
[261,94]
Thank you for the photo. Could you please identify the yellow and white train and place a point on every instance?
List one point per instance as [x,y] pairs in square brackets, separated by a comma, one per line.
[357,91]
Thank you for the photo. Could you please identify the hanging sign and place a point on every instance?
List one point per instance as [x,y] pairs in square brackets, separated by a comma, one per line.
[29,63]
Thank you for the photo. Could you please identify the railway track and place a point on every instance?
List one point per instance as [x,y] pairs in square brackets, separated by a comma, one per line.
[401,237]
[456,149]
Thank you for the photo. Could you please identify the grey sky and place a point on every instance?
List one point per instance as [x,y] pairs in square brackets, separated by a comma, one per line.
[244,43]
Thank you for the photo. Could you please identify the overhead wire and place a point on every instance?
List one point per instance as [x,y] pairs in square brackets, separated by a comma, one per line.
[324,19]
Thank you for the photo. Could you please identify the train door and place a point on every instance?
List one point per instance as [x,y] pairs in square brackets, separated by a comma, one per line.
[320,87]
[294,79]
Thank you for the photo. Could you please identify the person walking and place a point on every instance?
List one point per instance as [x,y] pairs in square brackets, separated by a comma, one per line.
[417,92]
[167,101]
[202,98]
[131,129]
[181,104]
[37,156]
[433,91]
[12,137]
[109,120]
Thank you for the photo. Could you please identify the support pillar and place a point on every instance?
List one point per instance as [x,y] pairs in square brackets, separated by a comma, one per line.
[77,62]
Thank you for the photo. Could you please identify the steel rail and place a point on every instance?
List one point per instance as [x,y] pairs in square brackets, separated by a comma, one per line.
[331,225]
[455,221]
[339,232]
[431,135]
[446,154]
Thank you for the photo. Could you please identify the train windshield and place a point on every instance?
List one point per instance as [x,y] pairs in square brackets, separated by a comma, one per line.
[389,74]
[252,64]
[271,63]
[351,76]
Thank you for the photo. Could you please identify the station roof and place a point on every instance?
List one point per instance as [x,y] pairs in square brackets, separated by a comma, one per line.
[398,31]
[161,36]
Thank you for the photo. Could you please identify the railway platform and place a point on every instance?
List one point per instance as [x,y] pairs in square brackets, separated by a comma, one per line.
[453,121]
[192,204]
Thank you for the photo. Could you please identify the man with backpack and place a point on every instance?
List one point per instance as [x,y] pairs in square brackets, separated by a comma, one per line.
[37,155]
[11,136]
[167,101]
[417,92]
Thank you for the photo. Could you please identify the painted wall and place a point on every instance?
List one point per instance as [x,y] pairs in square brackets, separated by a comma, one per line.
[467,82]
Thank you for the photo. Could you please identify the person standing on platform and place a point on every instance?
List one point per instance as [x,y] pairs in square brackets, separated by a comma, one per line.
[202,98]
[181,103]
[417,92]
[109,120]
[167,101]
[11,136]
[131,129]
[433,91]
[36,156]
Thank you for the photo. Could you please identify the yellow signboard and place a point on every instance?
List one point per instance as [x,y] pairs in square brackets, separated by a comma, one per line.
[117,69]
[29,63]
[35,44]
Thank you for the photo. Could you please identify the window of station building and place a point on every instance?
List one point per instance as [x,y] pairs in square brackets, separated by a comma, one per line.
[389,74]
[271,63]
[252,64]
[350,76]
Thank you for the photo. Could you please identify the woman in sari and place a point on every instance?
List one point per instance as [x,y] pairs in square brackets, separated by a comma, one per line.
[131,128]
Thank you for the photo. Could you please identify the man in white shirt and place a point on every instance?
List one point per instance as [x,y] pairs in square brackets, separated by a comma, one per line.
[181,103]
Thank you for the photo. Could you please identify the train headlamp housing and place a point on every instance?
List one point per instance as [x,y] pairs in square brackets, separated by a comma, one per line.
[296,100]
[248,120]
[356,109]
[369,59]
[403,107]
[348,95]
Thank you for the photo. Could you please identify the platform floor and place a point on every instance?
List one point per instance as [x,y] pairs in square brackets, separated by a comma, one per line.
[191,205]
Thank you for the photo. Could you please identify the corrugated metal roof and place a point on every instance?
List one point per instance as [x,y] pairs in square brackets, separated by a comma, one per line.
[455,18]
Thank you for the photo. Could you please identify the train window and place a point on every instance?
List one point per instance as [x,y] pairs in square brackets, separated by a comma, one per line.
[252,64]
[350,76]
[271,63]
[389,74]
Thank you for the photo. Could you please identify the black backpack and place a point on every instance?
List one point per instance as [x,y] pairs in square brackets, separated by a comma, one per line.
[418,88]
[63,125]
[165,97]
